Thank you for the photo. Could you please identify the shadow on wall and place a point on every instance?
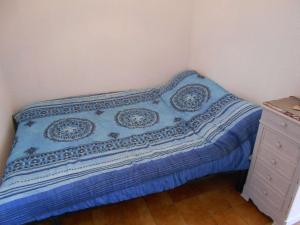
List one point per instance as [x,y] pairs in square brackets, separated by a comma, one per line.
[7,137]
[6,128]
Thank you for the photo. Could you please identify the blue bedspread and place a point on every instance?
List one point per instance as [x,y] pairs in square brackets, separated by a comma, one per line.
[75,153]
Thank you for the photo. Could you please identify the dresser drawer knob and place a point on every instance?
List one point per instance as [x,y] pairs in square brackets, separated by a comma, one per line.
[278,144]
[283,124]
[274,162]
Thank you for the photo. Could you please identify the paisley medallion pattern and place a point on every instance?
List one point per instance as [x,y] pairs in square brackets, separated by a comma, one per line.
[190,97]
[137,118]
[70,129]
[169,133]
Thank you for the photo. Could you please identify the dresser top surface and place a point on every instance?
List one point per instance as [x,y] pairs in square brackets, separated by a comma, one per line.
[287,107]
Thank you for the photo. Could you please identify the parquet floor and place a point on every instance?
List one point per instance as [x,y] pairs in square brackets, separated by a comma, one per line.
[209,201]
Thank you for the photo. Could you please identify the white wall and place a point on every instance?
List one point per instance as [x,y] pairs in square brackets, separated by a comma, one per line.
[251,47]
[56,48]
[51,49]
[6,129]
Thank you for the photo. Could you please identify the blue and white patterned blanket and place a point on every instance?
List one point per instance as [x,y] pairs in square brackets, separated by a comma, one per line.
[76,153]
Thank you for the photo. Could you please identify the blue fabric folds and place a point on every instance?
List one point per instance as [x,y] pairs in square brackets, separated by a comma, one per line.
[75,153]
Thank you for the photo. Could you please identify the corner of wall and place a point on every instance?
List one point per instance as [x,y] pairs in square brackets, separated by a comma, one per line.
[247,46]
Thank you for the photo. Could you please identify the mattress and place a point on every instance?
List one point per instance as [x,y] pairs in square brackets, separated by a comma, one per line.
[80,152]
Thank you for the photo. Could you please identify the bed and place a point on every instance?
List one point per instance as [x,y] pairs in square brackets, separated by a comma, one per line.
[75,153]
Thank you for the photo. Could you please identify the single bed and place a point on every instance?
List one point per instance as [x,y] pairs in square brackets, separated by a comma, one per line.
[76,153]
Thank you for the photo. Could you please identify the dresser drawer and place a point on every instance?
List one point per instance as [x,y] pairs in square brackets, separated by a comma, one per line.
[266,193]
[281,145]
[264,206]
[272,178]
[274,162]
[280,123]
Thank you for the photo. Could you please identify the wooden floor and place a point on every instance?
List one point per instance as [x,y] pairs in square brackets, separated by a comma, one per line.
[209,201]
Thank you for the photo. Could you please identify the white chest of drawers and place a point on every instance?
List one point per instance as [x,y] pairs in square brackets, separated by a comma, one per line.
[273,178]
